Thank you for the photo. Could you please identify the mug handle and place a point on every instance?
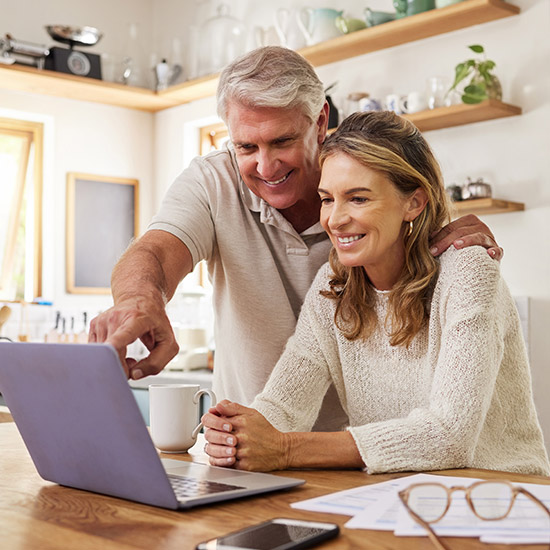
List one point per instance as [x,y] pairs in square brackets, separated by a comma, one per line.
[196,399]
[304,18]
[282,16]
[403,104]
[260,36]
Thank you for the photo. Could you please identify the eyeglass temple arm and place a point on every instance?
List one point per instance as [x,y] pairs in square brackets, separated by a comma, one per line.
[535,499]
[431,533]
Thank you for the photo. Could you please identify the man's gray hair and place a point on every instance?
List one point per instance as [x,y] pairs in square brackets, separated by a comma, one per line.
[271,76]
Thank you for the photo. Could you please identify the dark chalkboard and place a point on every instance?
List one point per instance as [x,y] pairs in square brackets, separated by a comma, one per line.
[102,220]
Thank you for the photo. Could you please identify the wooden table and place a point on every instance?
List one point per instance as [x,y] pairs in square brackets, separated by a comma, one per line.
[39,515]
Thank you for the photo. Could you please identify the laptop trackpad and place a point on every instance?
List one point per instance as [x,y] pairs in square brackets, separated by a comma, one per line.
[213,473]
[179,468]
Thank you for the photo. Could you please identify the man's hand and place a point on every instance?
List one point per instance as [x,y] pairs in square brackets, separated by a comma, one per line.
[466,231]
[242,437]
[132,319]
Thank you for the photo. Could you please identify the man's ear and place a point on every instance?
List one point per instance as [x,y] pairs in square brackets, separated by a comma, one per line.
[415,204]
[322,123]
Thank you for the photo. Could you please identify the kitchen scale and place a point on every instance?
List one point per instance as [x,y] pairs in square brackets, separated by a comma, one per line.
[69,60]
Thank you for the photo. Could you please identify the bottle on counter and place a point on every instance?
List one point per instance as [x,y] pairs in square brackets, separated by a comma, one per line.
[53,334]
[70,337]
[82,336]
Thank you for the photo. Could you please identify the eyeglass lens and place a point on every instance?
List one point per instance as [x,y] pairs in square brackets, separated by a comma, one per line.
[428,501]
[490,500]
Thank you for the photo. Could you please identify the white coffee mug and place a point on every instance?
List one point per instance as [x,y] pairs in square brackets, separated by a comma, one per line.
[413,102]
[174,415]
[393,103]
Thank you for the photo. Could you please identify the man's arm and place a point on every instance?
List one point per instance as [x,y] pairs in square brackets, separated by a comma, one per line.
[466,231]
[143,281]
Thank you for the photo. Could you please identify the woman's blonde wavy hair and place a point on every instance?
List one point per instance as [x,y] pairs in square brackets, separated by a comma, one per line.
[393,146]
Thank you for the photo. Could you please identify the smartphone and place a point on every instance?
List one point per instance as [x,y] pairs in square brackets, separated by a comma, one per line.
[275,534]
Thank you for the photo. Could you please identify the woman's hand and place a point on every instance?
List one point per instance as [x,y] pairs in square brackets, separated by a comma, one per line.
[241,437]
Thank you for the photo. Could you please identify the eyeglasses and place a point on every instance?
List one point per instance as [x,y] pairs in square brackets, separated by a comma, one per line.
[489,500]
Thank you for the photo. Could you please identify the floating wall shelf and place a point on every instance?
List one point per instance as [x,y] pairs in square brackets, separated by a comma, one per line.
[423,25]
[482,207]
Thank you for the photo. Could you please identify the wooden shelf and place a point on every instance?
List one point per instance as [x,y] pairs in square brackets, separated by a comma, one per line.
[423,25]
[35,81]
[483,207]
[408,29]
[457,115]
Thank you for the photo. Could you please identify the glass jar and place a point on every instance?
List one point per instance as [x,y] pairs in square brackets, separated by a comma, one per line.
[222,39]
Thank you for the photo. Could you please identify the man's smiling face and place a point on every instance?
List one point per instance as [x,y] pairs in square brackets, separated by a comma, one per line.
[277,153]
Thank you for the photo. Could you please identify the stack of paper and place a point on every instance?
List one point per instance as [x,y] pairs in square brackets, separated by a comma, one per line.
[378,507]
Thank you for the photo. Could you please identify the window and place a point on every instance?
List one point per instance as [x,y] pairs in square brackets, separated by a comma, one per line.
[20,209]
[213,137]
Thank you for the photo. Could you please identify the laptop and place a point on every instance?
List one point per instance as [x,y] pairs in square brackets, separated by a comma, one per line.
[83,428]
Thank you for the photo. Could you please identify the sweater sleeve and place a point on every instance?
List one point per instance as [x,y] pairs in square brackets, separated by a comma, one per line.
[293,395]
[467,320]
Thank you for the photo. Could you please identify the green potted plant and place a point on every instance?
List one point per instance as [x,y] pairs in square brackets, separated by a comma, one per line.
[483,84]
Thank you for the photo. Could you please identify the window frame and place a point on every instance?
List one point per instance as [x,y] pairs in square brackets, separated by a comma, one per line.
[35,132]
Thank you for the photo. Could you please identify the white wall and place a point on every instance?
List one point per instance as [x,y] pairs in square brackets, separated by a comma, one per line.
[510,153]
[81,136]
[89,138]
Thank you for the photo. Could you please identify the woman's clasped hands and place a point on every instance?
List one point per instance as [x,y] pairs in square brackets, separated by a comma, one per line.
[242,438]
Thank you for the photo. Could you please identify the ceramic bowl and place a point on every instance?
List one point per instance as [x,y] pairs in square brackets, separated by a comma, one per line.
[349,24]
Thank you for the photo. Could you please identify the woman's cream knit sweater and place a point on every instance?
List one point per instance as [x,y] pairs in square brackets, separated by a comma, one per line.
[458,396]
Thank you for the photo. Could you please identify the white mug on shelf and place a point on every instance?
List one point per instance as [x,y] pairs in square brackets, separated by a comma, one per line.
[266,36]
[174,415]
[413,102]
[393,103]
[286,25]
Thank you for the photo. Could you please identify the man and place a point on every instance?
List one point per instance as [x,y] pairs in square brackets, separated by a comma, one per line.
[252,211]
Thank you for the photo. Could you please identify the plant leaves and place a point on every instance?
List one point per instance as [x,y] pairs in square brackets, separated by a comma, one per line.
[474,93]
[461,72]
[476,48]
[481,78]
[475,89]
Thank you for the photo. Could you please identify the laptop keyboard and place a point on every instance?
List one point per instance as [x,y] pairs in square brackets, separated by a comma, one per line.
[185,487]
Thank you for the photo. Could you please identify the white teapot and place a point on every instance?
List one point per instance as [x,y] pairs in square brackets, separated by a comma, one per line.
[319,24]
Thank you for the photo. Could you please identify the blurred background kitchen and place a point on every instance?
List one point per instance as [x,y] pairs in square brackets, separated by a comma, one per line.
[149,135]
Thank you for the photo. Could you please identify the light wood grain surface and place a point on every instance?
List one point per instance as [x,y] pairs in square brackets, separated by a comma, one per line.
[36,514]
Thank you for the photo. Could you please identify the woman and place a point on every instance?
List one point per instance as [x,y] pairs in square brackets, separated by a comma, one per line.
[426,354]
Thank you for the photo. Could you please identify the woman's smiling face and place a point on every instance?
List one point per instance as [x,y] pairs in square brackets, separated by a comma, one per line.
[364,214]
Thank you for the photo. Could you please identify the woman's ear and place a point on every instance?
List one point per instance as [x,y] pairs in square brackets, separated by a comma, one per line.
[415,204]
